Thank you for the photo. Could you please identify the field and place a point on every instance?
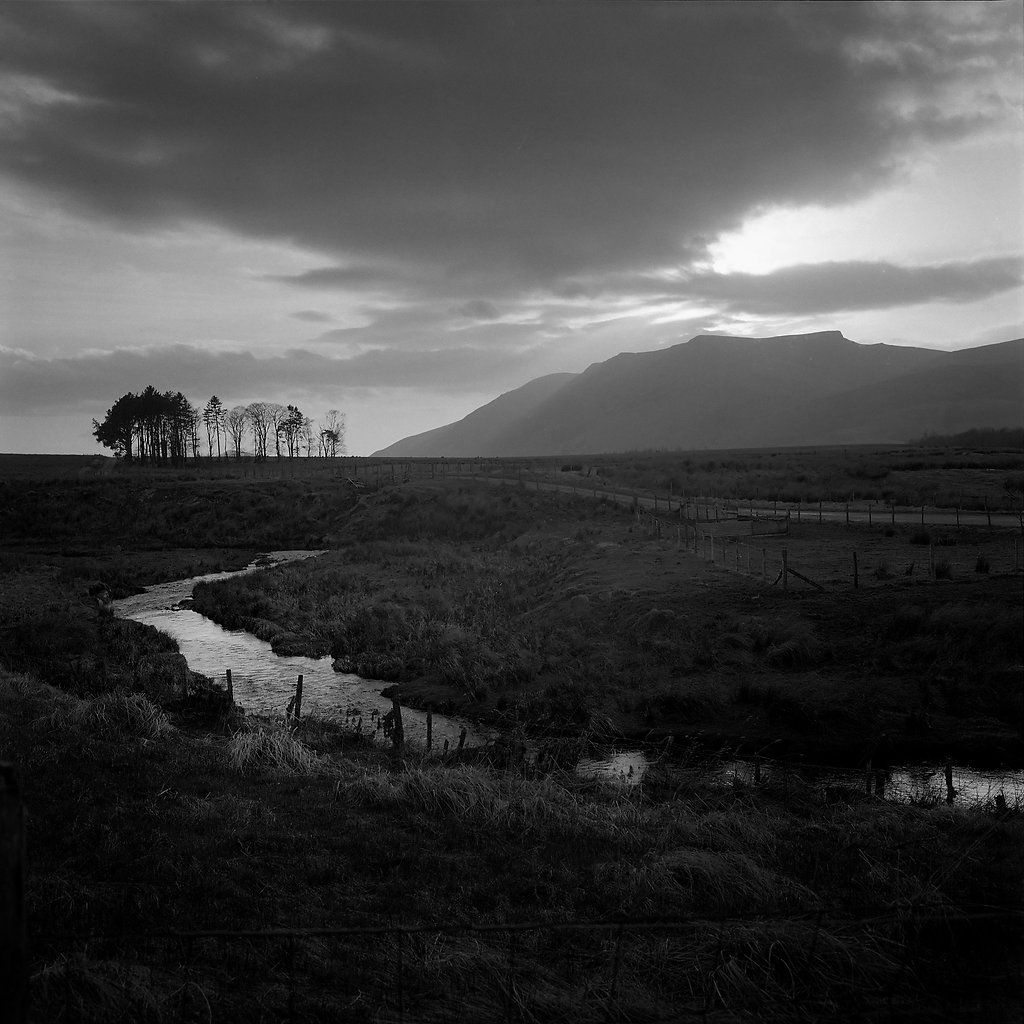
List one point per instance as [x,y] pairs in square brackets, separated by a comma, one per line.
[162,824]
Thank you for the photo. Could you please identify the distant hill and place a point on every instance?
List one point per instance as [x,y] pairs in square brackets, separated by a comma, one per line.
[728,392]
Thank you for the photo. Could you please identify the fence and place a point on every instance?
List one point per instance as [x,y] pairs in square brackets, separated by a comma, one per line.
[812,965]
[823,563]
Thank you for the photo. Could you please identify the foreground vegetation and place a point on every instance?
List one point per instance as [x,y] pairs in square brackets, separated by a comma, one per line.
[156,809]
[786,908]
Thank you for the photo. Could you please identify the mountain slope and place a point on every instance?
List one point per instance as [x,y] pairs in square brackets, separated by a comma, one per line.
[483,426]
[728,392]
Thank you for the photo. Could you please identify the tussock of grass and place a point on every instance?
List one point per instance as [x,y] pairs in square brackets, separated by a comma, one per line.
[266,747]
[110,715]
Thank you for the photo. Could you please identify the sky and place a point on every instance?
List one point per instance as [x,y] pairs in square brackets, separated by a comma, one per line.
[401,210]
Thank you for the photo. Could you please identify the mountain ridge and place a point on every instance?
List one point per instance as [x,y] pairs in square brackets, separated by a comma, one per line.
[723,391]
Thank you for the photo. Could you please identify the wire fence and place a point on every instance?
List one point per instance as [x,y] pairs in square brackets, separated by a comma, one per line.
[743,545]
[813,965]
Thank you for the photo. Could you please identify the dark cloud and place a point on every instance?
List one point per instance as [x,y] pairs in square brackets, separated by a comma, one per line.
[840,287]
[339,278]
[492,147]
[312,316]
[88,384]
[477,309]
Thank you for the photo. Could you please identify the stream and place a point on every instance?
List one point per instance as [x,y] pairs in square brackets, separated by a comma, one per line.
[264,682]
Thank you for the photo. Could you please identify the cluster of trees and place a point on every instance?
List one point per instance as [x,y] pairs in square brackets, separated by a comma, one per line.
[166,429]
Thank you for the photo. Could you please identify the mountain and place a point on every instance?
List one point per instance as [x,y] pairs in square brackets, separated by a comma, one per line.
[727,392]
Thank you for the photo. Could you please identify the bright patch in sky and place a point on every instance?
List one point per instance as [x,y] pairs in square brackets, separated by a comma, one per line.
[968,201]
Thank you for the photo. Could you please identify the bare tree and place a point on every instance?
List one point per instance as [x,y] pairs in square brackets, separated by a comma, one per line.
[276,416]
[308,435]
[259,423]
[236,420]
[332,434]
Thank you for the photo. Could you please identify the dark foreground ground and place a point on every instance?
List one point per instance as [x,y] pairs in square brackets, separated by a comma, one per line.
[155,819]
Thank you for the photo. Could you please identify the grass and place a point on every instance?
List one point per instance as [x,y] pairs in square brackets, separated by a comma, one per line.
[262,747]
[175,834]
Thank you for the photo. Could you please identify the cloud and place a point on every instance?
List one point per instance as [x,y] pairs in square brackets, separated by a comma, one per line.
[477,309]
[855,285]
[312,316]
[90,383]
[493,147]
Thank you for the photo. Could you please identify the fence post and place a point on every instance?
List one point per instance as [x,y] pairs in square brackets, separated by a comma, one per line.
[297,710]
[950,791]
[231,689]
[430,730]
[819,511]
[13,959]
[462,737]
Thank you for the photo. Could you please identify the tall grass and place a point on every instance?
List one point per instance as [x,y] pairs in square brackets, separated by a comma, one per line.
[109,716]
[266,747]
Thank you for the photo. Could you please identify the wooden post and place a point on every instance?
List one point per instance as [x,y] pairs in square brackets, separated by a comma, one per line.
[950,791]
[231,690]
[988,513]
[856,581]
[430,730]
[958,517]
[869,515]
[397,729]
[819,511]
[847,513]
[297,710]
[892,513]
[922,515]
[462,737]
[13,958]
[785,569]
